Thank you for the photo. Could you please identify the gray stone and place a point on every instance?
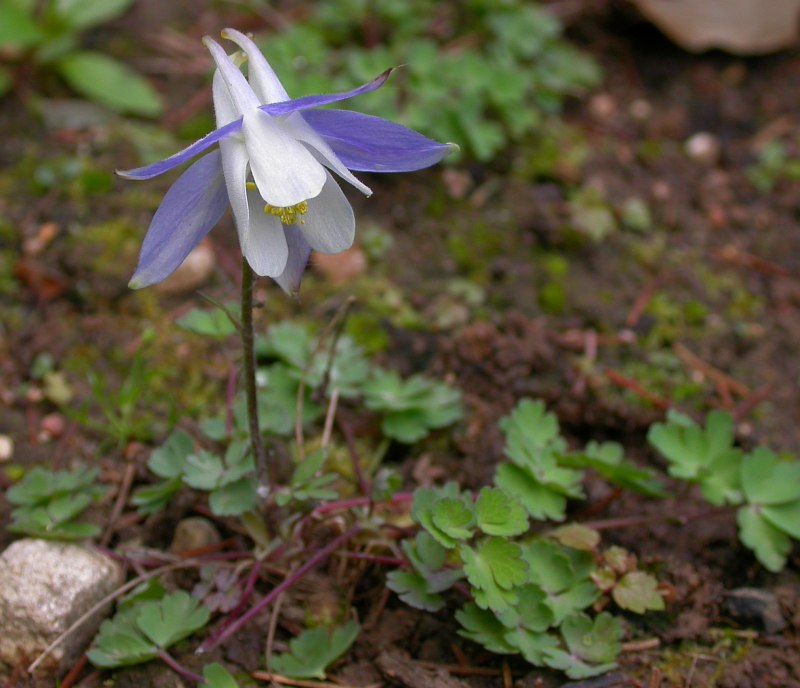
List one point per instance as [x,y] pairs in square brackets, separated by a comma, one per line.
[751,605]
[44,588]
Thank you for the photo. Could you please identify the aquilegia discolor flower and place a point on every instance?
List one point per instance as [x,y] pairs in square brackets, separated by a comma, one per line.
[273,167]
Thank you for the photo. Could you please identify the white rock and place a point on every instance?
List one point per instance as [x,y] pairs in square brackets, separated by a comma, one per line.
[44,588]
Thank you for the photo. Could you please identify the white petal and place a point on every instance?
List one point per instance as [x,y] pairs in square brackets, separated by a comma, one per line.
[264,243]
[235,168]
[262,77]
[224,107]
[329,225]
[284,170]
[302,131]
[238,88]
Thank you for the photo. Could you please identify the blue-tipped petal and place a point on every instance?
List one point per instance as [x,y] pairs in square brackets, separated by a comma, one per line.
[287,107]
[299,251]
[191,207]
[157,168]
[371,144]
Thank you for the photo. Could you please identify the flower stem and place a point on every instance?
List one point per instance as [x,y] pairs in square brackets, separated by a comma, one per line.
[248,353]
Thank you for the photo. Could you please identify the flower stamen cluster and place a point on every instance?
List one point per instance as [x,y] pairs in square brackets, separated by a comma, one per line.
[288,215]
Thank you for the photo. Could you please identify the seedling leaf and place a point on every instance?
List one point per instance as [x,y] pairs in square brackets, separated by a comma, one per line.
[172,618]
[499,513]
[217,676]
[592,646]
[770,544]
[482,627]
[637,592]
[494,568]
[314,650]
[766,479]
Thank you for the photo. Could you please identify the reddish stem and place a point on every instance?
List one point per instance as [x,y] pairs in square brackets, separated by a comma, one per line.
[232,625]
[178,669]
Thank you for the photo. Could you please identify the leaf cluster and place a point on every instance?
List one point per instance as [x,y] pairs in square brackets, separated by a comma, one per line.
[413,407]
[543,474]
[309,481]
[764,486]
[49,35]
[47,503]
[143,627]
[290,355]
[516,71]
[228,478]
[314,650]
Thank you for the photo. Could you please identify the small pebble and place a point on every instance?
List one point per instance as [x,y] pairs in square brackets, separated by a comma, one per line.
[6,448]
[641,110]
[755,606]
[192,273]
[603,106]
[194,533]
[53,425]
[703,147]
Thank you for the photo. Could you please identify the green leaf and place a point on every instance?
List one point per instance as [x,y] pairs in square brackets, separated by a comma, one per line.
[429,560]
[119,642]
[530,430]
[412,588]
[607,459]
[172,618]
[454,517]
[592,646]
[151,500]
[565,578]
[213,323]
[234,499]
[499,513]
[314,650]
[482,627]
[637,592]
[167,460]
[423,505]
[577,536]
[114,649]
[703,455]
[411,407]
[784,516]
[532,611]
[217,676]
[494,568]
[82,14]
[532,645]
[109,83]
[40,485]
[770,544]
[540,501]
[18,29]
[766,479]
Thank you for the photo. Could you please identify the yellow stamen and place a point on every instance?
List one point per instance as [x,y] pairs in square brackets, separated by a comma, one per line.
[288,215]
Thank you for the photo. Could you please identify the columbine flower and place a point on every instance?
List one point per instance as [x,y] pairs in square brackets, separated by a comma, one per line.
[273,166]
